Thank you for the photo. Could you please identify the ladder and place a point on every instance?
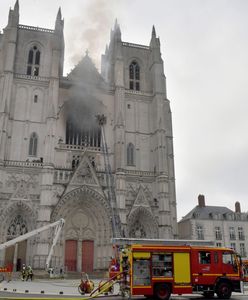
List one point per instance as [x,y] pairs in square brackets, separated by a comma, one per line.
[115,221]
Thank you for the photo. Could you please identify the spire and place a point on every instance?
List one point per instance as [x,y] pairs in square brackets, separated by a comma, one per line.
[116,24]
[117,30]
[153,31]
[16,7]
[59,15]
[59,24]
[154,43]
[106,49]
[14,15]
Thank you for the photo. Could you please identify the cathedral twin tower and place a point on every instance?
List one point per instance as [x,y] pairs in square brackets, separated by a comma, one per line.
[51,156]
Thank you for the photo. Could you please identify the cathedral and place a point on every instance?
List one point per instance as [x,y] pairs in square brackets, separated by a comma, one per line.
[93,147]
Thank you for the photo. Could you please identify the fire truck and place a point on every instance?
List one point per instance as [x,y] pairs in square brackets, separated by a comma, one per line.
[245,269]
[161,270]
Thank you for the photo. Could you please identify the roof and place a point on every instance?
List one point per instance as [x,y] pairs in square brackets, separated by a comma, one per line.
[206,212]
[86,71]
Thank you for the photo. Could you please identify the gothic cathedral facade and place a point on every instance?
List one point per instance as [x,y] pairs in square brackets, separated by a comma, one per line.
[52,163]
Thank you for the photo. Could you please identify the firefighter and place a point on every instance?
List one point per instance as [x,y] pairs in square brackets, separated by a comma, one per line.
[29,273]
[125,269]
[23,272]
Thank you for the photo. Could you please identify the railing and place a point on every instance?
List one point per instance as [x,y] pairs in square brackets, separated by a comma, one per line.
[29,77]
[26,27]
[16,163]
[138,93]
[139,173]
[78,147]
[135,46]
[62,176]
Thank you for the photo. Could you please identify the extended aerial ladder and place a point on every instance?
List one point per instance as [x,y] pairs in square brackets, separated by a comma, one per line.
[116,223]
[58,227]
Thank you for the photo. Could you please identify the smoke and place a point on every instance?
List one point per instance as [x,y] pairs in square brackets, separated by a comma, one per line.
[82,108]
[90,30]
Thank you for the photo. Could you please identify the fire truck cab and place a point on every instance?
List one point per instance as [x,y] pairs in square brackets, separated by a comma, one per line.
[160,270]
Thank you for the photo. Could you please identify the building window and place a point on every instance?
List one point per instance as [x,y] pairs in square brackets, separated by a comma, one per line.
[218,245]
[129,106]
[130,154]
[241,233]
[233,246]
[33,142]
[242,250]
[134,76]
[199,232]
[232,233]
[17,227]
[35,98]
[218,235]
[82,136]
[33,64]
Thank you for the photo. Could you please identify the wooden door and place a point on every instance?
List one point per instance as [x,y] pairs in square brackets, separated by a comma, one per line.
[87,256]
[71,255]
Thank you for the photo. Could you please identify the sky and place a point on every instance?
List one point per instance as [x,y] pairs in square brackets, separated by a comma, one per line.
[204,46]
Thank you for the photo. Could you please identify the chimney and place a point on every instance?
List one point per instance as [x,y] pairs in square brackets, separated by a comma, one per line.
[237,207]
[201,201]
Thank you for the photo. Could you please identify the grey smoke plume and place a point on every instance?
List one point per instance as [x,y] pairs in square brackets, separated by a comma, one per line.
[90,30]
[82,109]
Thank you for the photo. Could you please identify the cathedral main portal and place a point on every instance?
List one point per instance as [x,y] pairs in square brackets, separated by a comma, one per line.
[87,233]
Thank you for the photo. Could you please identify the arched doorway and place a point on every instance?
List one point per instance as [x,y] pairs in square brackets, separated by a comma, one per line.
[87,232]
[17,219]
[141,224]
[17,227]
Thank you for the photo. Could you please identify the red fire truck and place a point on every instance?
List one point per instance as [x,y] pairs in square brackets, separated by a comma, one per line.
[245,269]
[162,270]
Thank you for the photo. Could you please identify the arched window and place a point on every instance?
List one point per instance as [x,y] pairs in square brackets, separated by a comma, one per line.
[33,64]
[130,154]
[17,227]
[134,76]
[33,142]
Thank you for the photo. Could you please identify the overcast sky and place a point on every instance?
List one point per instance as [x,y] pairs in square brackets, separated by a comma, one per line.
[204,45]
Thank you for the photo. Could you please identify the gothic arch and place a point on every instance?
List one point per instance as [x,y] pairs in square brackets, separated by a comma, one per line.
[11,211]
[142,224]
[87,218]
[75,194]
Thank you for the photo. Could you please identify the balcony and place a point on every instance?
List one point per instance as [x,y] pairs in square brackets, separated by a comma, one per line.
[63,146]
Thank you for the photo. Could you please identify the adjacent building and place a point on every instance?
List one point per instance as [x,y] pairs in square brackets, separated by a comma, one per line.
[52,163]
[216,223]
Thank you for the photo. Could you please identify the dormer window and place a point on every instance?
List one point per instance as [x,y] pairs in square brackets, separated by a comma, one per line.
[134,76]
[33,64]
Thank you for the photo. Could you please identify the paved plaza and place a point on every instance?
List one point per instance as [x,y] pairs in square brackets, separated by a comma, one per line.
[69,287]
[48,287]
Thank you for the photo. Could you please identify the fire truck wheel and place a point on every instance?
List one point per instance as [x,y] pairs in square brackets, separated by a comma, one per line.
[162,291]
[208,295]
[224,290]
